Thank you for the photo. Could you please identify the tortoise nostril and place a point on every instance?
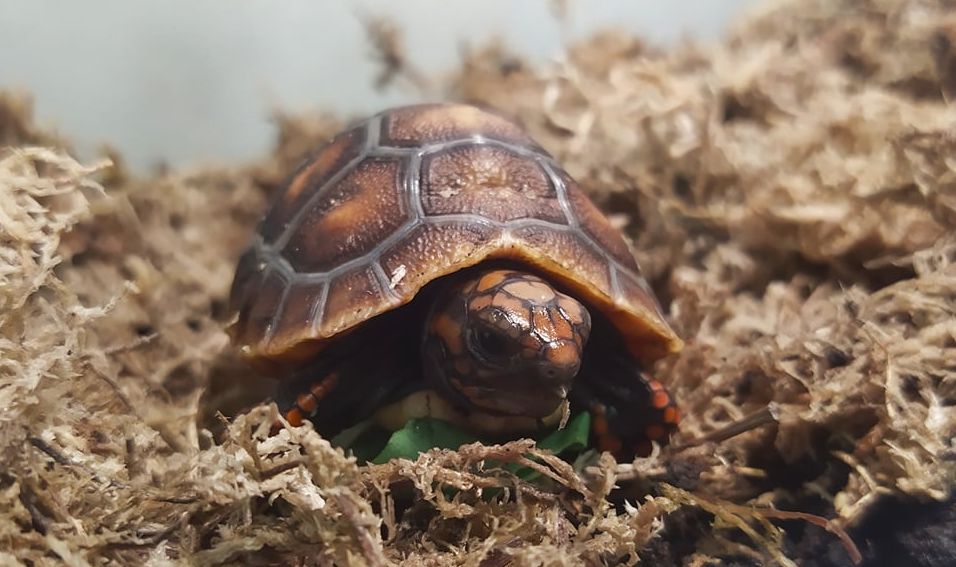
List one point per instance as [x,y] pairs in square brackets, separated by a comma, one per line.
[552,373]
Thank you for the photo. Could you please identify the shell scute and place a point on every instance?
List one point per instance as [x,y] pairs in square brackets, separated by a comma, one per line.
[330,160]
[426,124]
[489,181]
[349,218]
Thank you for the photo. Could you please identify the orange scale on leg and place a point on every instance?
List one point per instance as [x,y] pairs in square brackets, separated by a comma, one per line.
[610,443]
[599,424]
[606,440]
[306,403]
[294,417]
[672,416]
[661,400]
[321,389]
[655,432]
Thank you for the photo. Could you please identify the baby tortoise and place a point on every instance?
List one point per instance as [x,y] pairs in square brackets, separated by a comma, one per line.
[435,261]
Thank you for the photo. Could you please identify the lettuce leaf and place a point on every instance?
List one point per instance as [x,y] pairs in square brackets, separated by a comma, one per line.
[421,435]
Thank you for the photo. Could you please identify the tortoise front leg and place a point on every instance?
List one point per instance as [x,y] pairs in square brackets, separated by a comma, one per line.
[306,404]
[629,409]
[349,381]
[337,394]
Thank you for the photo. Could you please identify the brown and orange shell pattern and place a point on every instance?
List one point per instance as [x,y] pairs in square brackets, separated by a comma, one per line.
[414,194]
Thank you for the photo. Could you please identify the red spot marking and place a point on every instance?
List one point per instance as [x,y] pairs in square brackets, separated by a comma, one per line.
[610,443]
[294,417]
[606,440]
[672,416]
[600,425]
[661,400]
[655,432]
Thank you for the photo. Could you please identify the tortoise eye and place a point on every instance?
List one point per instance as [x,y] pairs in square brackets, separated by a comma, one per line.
[493,344]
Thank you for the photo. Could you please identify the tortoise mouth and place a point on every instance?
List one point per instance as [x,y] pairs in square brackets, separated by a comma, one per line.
[434,404]
[533,399]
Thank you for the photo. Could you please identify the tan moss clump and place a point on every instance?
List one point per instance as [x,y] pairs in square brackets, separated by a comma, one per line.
[795,194]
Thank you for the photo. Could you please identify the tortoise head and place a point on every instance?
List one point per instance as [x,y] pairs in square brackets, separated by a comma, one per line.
[505,342]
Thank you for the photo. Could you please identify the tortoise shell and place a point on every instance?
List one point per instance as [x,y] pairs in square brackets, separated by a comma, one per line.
[414,194]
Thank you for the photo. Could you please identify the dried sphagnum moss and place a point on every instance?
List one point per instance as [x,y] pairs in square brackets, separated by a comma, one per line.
[792,194]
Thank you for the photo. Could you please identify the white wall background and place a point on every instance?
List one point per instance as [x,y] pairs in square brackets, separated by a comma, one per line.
[187,81]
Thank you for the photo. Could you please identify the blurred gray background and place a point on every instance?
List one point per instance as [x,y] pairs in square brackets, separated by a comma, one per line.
[194,81]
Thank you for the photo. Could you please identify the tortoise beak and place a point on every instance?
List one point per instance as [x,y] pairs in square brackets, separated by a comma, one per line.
[536,393]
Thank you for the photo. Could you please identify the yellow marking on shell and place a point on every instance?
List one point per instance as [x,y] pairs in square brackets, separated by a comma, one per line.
[342,217]
[530,290]
[449,331]
[301,180]
[564,354]
[320,166]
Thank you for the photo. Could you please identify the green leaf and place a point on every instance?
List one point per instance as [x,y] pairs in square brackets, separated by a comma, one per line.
[369,444]
[420,435]
[573,437]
